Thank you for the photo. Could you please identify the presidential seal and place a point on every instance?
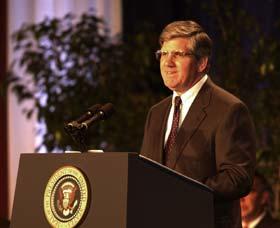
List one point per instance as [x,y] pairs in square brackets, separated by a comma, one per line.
[66,197]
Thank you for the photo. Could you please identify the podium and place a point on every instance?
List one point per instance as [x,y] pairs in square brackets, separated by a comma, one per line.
[126,191]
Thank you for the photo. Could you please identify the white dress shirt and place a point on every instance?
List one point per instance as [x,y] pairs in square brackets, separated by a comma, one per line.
[187,100]
[255,222]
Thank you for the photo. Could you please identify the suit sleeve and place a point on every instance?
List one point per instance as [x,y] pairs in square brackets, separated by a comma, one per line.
[235,146]
[145,144]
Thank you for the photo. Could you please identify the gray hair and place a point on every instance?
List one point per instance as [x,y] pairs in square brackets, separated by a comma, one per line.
[200,41]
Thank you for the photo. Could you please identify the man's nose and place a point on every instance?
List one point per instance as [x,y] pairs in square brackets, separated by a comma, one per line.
[169,61]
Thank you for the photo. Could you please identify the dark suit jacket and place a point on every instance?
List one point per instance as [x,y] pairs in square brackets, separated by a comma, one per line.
[215,145]
[268,222]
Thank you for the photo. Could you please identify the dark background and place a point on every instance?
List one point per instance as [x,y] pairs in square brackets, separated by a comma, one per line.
[159,13]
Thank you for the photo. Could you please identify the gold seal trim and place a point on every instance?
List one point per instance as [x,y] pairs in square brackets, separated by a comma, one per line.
[66,197]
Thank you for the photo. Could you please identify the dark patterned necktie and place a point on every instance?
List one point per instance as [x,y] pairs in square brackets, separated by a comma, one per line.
[174,129]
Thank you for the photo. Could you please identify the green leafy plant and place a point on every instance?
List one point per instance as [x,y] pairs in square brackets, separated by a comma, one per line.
[69,64]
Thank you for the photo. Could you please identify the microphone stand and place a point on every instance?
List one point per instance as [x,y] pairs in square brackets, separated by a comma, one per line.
[78,134]
[77,130]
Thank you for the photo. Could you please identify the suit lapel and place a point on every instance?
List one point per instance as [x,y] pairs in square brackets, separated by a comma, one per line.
[164,112]
[192,121]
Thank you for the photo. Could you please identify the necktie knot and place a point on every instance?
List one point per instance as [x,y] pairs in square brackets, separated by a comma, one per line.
[178,102]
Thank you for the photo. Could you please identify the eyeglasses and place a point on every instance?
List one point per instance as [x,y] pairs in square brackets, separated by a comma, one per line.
[174,54]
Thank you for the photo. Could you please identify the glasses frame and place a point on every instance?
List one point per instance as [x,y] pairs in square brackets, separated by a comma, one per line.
[175,54]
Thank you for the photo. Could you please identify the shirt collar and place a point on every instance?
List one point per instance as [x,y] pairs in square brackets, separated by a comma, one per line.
[256,221]
[192,92]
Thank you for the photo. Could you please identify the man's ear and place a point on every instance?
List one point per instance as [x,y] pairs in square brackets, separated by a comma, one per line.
[202,64]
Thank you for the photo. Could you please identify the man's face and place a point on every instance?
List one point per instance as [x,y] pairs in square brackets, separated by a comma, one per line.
[179,73]
[254,203]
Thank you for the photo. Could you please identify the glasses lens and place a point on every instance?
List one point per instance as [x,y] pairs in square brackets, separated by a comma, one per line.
[175,54]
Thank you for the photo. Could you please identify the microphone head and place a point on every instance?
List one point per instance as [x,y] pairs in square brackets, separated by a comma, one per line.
[108,110]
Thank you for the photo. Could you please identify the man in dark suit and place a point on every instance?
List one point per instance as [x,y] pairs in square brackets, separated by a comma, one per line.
[205,132]
[256,206]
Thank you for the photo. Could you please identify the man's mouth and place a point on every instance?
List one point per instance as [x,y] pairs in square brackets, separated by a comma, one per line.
[170,72]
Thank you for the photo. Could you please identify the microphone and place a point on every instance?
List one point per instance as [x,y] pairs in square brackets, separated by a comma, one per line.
[103,113]
[90,112]
[76,123]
